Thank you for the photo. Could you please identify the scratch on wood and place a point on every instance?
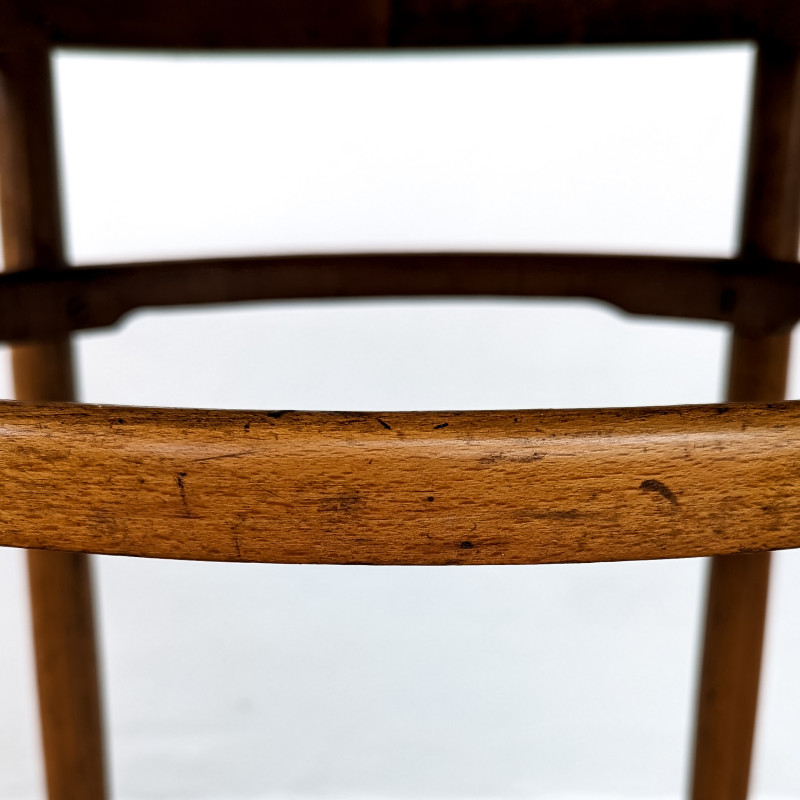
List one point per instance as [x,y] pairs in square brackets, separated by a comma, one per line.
[179,476]
[493,458]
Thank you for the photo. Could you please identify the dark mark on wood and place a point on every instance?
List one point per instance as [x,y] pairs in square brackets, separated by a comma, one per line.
[440,425]
[277,414]
[493,458]
[652,485]
[429,499]
[384,424]
[343,502]
[182,489]
[466,545]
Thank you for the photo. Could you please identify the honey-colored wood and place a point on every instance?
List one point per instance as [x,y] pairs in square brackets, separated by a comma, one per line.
[432,489]
[60,583]
[329,24]
[756,295]
[738,585]
[496,487]
[67,672]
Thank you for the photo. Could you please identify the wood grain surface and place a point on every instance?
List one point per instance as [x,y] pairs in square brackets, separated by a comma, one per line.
[502,487]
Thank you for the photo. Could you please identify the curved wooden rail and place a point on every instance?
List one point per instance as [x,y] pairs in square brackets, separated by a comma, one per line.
[495,487]
[330,24]
[758,296]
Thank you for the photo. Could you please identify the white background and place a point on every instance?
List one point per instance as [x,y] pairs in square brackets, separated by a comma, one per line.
[260,681]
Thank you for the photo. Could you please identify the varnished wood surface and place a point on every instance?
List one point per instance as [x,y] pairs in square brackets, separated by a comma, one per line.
[67,674]
[60,583]
[757,295]
[328,24]
[497,487]
[736,606]
[738,585]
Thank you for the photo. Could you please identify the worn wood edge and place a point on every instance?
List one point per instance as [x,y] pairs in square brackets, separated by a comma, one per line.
[756,295]
[313,24]
[495,487]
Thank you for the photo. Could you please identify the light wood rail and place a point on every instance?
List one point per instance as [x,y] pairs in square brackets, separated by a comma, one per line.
[495,487]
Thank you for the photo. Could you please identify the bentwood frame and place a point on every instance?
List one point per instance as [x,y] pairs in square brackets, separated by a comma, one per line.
[667,505]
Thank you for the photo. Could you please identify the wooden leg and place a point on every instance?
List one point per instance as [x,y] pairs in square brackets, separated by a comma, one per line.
[66,671]
[736,608]
[60,583]
[738,585]
[63,620]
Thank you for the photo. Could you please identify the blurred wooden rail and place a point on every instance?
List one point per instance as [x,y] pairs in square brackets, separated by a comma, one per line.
[327,24]
[758,296]
[500,487]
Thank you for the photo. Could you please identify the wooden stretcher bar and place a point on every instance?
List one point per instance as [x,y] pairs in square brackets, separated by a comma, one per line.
[756,296]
